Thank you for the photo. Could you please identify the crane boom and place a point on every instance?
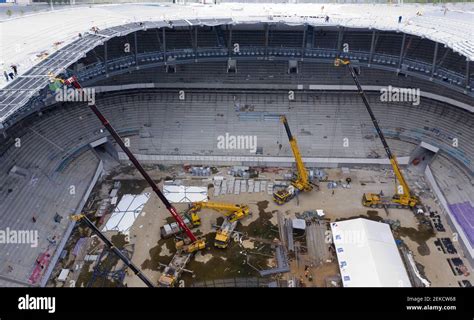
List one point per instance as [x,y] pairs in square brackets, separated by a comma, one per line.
[403,196]
[75,83]
[302,181]
[233,211]
[390,155]
[110,245]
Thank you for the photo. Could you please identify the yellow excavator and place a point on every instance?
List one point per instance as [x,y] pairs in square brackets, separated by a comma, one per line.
[301,181]
[403,197]
[232,213]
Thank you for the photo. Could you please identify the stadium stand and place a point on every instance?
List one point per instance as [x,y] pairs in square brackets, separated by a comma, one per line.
[55,153]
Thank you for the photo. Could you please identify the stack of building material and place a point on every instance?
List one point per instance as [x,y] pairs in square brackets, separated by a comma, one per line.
[237,187]
[201,171]
[243,185]
[257,186]
[217,187]
[270,188]
[223,188]
[251,186]
[230,186]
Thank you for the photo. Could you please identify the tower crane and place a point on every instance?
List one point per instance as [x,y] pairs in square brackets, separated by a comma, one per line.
[301,182]
[403,197]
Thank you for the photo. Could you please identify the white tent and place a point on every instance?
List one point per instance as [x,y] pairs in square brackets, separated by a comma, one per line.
[184,194]
[124,215]
[368,255]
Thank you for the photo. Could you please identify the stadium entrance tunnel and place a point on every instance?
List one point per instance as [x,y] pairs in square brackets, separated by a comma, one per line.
[104,149]
[422,156]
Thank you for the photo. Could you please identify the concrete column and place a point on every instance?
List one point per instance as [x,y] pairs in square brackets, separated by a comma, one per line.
[339,38]
[106,62]
[195,43]
[435,56]
[164,44]
[136,48]
[400,59]
[267,36]
[372,48]
[467,74]
[230,46]
[303,45]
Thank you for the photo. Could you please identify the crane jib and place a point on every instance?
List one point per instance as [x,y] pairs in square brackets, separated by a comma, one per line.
[117,252]
[372,116]
[73,81]
[287,128]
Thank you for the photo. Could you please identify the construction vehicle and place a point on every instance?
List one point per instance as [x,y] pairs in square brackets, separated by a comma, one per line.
[233,211]
[224,233]
[173,270]
[113,248]
[232,214]
[301,182]
[403,197]
[188,246]
[194,218]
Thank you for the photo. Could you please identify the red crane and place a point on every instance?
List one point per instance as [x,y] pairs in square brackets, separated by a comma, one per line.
[195,243]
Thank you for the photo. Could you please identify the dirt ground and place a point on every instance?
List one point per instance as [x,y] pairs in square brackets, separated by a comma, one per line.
[150,250]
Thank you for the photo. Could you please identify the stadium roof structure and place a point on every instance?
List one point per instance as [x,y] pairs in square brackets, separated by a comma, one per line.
[50,48]
[368,255]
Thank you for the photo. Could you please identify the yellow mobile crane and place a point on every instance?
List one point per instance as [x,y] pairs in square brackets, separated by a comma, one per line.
[232,212]
[403,197]
[301,182]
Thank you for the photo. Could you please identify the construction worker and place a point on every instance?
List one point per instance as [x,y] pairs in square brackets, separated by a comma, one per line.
[15,69]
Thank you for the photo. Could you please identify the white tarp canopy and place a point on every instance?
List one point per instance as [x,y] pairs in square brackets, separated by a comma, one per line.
[124,215]
[368,255]
[184,194]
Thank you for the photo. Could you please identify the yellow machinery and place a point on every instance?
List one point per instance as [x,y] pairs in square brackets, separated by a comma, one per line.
[232,212]
[193,217]
[301,182]
[224,233]
[403,197]
[235,212]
